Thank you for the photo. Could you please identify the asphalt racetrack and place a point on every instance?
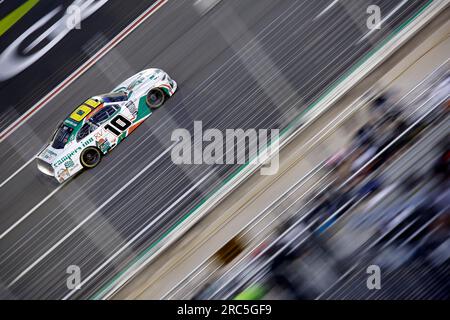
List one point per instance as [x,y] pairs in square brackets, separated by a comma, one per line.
[56,59]
[240,64]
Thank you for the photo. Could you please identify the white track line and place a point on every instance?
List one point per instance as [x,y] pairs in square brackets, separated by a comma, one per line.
[71,232]
[11,128]
[26,215]
[390,14]
[17,171]
[81,70]
[58,89]
[331,5]
[204,6]
[140,233]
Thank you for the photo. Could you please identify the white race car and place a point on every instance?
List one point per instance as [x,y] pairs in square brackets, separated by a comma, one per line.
[100,123]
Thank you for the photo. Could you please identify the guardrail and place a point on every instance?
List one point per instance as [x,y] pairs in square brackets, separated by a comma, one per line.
[429,82]
[341,87]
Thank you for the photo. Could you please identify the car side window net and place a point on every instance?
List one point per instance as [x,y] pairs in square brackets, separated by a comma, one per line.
[85,130]
[62,137]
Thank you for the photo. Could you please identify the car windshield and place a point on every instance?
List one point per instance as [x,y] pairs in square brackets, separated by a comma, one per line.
[114,96]
[61,137]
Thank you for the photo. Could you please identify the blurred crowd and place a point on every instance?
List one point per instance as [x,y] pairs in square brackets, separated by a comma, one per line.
[390,184]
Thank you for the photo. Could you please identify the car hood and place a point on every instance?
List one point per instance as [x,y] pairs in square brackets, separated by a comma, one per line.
[49,154]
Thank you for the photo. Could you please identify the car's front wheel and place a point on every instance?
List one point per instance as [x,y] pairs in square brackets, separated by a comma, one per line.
[156,98]
[90,157]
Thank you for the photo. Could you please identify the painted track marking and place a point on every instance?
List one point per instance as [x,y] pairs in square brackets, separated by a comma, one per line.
[81,70]
[140,233]
[90,216]
[26,215]
[18,171]
[331,5]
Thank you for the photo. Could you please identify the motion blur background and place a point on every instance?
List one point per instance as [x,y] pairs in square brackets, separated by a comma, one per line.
[376,192]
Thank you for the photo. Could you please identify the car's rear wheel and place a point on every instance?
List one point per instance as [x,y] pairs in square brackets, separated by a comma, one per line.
[90,157]
[156,98]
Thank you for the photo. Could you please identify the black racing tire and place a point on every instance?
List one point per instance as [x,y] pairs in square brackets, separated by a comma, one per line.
[90,157]
[155,98]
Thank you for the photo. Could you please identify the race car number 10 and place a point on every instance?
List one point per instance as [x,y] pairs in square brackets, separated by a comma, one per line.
[118,125]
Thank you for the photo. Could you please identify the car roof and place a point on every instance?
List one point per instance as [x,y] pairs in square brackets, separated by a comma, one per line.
[82,111]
